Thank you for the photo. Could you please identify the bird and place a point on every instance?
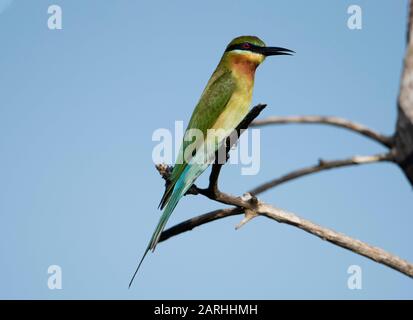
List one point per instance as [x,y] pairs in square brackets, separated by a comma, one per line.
[223,104]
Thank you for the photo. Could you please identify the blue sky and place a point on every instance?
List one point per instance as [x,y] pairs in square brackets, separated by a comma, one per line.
[4,4]
[78,187]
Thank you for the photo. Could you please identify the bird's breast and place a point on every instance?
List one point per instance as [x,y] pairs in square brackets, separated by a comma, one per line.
[235,110]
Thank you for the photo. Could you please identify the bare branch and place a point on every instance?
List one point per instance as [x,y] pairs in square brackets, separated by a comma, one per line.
[374,253]
[192,223]
[321,166]
[219,214]
[387,141]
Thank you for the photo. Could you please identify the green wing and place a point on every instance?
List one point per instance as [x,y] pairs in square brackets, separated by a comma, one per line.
[211,104]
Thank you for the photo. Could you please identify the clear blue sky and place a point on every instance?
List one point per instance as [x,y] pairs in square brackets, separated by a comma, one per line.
[77,185]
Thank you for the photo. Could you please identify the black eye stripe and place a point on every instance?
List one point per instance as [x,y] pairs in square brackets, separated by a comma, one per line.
[243,46]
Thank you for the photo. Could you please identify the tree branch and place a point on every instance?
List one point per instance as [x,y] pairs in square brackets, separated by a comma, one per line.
[322,166]
[373,253]
[387,141]
[194,222]
[259,208]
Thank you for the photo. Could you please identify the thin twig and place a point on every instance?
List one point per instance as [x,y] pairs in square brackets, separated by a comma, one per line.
[322,166]
[334,121]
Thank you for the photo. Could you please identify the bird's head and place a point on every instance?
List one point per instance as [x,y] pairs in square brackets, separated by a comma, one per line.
[252,50]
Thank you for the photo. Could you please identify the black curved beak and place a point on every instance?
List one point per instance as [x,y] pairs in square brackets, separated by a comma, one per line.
[276,51]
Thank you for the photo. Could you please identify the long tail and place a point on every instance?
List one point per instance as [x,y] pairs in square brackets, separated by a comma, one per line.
[182,186]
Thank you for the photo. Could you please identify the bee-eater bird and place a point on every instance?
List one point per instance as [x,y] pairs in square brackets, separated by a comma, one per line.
[222,106]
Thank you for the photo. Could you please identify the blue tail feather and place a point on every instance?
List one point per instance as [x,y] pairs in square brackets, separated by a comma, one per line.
[190,174]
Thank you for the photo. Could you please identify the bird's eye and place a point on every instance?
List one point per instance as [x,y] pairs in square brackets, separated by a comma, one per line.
[246,46]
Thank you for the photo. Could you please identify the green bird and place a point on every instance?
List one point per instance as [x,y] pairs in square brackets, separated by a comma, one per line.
[224,102]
